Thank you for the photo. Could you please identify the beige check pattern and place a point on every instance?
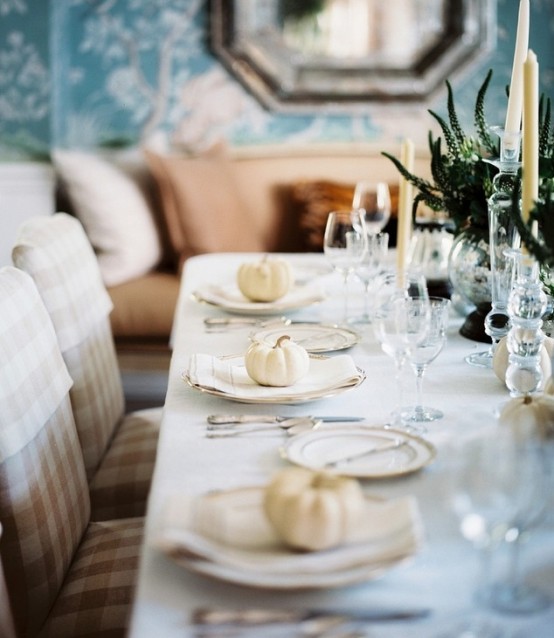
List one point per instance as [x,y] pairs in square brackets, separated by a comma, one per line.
[58,568]
[56,252]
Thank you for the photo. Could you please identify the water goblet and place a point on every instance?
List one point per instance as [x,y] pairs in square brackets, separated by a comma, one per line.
[401,323]
[499,484]
[344,245]
[373,199]
[423,354]
[369,269]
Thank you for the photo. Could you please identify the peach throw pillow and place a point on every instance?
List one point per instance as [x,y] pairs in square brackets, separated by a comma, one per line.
[202,206]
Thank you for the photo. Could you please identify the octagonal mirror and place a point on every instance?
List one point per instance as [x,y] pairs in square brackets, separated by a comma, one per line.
[297,54]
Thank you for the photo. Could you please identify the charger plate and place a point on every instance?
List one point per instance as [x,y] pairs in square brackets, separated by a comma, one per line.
[322,393]
[324,449]
[230,299]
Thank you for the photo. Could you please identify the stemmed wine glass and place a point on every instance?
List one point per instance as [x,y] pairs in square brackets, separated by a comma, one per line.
[500,484]
[344,245]
[369,269]
[424,353]
[401,323]
[373,199]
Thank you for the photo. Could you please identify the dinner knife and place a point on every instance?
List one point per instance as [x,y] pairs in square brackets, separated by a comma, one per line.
[270,418]
[263,616]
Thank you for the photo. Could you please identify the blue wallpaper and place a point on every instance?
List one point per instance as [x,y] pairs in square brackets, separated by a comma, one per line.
[91,72]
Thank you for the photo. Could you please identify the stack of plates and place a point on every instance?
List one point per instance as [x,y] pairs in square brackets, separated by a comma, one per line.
[246,550]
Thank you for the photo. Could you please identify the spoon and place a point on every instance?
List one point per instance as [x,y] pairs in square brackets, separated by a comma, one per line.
[291,426]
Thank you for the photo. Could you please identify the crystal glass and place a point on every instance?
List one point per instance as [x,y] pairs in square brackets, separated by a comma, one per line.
[423,354]
[373,200]
[499,485]
[344,245]
[401,324]
[369,270]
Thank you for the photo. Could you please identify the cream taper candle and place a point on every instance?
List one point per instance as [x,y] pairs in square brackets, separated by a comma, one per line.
[515,98]
[530,167]
[405,201]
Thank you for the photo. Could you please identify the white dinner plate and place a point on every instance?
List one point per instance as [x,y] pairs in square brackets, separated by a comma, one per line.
[314,337]
[230,299]
[349,451]
[283,398]
[247,550]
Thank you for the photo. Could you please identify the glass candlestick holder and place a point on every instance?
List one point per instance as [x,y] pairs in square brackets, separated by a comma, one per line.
[503,237]
[526,305]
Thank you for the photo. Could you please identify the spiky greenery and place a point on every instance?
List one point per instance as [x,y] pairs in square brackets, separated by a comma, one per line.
[461,181]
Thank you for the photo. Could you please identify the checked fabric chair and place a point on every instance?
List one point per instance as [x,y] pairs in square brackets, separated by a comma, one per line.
[65,576]
[119,449]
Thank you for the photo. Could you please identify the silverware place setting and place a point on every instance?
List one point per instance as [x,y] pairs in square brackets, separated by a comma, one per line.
[291,426]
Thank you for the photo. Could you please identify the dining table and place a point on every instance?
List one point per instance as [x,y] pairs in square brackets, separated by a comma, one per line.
[436,581]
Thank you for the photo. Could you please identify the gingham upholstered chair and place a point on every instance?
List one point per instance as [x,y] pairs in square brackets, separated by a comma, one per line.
[119,450]
[65,576]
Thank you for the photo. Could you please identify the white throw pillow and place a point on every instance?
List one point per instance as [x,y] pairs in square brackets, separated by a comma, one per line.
[114,212]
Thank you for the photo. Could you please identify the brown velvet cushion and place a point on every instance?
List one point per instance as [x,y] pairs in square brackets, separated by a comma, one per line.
[313,200]
[202,206]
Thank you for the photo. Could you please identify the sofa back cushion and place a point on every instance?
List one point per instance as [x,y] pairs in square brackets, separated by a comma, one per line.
[112,207]
[203,208]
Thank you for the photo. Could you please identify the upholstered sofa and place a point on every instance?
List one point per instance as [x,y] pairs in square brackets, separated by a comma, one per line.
[146,212]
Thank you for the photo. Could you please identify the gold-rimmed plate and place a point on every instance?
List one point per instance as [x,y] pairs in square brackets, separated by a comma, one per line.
[314,337]
[247,550]
[226,377]
[230,299]
[360,452]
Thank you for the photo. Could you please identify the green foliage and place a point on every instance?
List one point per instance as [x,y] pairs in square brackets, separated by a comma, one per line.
[461,180]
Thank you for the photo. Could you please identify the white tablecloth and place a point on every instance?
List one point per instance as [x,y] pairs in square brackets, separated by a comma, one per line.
[441,576]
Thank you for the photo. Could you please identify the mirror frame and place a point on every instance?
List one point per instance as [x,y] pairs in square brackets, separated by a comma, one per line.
[270,73]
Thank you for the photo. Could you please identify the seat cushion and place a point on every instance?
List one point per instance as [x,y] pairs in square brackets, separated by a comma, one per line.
[120,486]
[97,593]
[144,307]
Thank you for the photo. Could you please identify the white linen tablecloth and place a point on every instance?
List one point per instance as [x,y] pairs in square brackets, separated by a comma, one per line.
[442,575]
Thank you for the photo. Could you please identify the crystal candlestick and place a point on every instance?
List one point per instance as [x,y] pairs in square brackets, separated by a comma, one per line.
[526,306]
[502,239]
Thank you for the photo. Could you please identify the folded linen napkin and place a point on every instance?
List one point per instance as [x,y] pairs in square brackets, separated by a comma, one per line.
[230,377]
[230,528]
[231,296]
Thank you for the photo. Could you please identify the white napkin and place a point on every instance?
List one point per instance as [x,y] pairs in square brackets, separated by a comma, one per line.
[230,377]
[231,297]
[230,528]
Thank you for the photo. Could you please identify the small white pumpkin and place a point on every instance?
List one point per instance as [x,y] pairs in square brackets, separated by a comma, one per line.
[313,510]
[280,365]
[530,415]
[265,280]
[500,360]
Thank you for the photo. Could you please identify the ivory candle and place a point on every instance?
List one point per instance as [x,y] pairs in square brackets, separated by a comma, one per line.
[515,98]
[530,168]
[405,201]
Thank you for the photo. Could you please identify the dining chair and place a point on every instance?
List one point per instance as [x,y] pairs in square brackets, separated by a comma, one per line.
[66,576]
[119,449]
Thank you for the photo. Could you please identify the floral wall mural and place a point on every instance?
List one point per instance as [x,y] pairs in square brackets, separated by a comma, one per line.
[95,72]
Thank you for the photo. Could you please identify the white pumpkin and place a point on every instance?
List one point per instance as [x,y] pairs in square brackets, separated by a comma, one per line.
[501,356]
[265,280]
[313,510]
[280,365]
[530,415]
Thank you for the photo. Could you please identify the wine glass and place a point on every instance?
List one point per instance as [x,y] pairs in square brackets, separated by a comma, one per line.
[401,323]
[369,269]
[500,484]
[425,353]
[373,199]
[344,245]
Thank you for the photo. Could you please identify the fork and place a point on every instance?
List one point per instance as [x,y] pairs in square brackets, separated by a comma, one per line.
[290,426]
